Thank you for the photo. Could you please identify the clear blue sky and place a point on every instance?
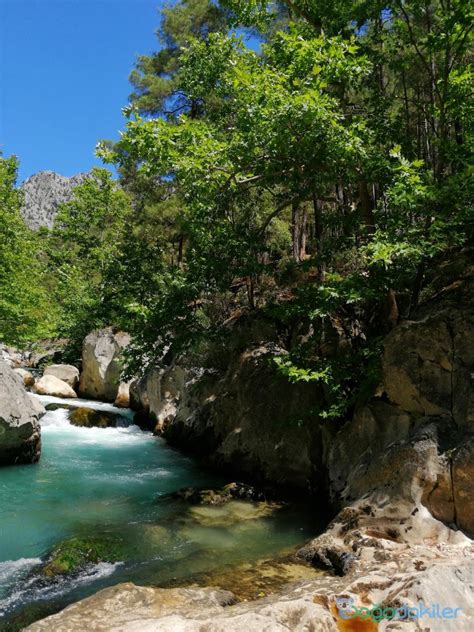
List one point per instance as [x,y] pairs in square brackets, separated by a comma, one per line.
[64,67]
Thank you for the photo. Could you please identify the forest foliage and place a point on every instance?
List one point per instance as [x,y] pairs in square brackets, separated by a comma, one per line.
[306,159]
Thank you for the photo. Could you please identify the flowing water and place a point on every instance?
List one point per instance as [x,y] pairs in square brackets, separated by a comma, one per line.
[113,483]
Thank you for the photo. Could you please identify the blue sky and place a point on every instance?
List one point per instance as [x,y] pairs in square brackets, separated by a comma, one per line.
[64,67]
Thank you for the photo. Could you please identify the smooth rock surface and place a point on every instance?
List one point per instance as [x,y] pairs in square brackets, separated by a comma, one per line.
[20,435]
[102,357]
[51,385]
[65,372]
[444,576]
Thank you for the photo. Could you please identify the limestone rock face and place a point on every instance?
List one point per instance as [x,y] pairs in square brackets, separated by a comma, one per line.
[20,436]
[445,578]
[102,355]
[51,385]
[157,395]
[43,193]
[414,445]
[428,361]
[248,417]
[65,372]
[26,376]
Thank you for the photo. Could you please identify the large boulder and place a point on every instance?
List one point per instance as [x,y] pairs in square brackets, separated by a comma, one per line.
[20,436]
[90,418]
[65,372]
[27,377]
[50,385]
[102,363]
[156,396]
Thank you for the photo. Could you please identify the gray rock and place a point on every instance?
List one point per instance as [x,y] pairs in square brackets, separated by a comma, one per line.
[102,357]
[51,385]
[13,357]
[65,372]
[43,193]
[20,435]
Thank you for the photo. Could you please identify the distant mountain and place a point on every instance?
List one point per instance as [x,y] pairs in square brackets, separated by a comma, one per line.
[43,193]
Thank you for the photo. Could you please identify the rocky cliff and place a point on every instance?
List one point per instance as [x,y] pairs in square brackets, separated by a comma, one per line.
[43,193]
[239,413]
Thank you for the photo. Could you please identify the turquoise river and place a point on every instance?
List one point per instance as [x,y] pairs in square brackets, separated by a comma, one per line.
[114,483]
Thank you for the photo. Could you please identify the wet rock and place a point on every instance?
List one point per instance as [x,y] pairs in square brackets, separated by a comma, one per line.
[230,514]
[20,434]
[73,555]
[220,496]
[51,385]
[59,405]
[102,358]
[65,372]
[123,395]
[255,580]
[26,376]
[90,418]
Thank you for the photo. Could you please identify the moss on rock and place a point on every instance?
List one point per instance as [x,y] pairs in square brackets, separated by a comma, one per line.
[72,555]
[90,418]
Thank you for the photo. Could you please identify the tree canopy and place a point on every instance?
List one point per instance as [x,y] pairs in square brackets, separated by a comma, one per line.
[312,171]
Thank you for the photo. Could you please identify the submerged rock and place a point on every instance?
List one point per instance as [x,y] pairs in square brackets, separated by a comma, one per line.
[230,514]
[102,356]
[20,435]
[73,555]
[51,385]
[254,580]
[90,418]
[220,496]
[65,372]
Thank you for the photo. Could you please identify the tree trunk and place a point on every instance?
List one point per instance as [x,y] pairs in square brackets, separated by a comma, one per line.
[366,206]
[296,231]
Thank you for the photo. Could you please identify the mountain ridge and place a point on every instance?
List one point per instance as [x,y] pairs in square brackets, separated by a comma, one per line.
[43,193]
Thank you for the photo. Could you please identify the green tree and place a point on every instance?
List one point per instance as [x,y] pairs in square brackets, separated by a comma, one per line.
[26,313]
[349,129]
[83,248]
[155,78]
